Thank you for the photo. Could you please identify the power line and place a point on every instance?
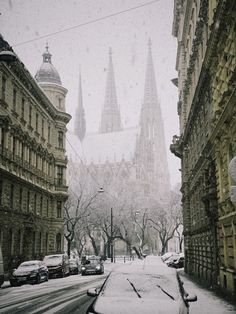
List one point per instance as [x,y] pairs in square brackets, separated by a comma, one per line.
[84,24]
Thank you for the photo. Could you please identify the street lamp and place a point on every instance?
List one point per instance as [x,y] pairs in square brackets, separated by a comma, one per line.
[6,55]
[101,190]
[112,244]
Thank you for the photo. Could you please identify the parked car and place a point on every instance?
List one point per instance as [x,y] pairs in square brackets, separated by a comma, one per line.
[58,265]
[157,290]
[167,255]
[74,267]
[169,261]
[29,272]
[92,265]
[179,263]
[1,268]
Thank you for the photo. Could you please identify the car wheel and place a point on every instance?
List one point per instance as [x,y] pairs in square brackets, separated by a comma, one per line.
[13,284]
[38,279]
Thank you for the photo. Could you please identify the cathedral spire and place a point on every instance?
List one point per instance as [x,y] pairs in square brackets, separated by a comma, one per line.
[110,120]
[80,123]
[150,150]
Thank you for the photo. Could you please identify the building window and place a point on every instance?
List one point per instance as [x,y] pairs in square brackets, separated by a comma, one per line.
[1,189]
[60,139]
[22,108]
[40,242]
[41,206]
[35,203]
[37,122]
[47,214]
[58,243]
[46,242]
[11,241]
[20,199]
[59,209]
[60,103]
[3,88]
[28,201]
[22,151]
[14,99]
[30,116]
[3,133]
[34,244]
[12,196]
[59,175]
[30,156]
[49,133]
[14,146]
[42,127]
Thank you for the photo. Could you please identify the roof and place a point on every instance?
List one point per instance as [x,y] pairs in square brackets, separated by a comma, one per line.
[47,72]
[101,147]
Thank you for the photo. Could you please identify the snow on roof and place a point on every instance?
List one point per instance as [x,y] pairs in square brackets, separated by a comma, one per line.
[101,147]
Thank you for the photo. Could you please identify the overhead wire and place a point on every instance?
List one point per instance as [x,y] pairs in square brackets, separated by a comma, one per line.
[85,23]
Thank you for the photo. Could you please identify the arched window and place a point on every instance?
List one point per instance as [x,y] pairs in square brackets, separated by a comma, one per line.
[58,242]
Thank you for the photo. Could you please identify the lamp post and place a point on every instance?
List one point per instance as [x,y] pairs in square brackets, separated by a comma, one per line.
[112,244]
[101,190]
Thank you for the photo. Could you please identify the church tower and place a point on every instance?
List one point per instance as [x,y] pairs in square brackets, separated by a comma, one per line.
[80,123]
[152,166]
[110,120]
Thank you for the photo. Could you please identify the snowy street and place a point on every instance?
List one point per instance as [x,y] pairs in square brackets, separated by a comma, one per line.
[68,295]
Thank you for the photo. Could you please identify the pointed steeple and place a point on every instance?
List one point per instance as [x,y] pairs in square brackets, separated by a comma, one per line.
[80,123]
[110,120]
[150,150]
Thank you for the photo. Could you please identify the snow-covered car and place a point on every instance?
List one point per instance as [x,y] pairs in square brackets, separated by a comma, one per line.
[167,255]
[92,265]
[74,267]
[169,261]
[176,262]
[58,265]
[29,272]
[138,291]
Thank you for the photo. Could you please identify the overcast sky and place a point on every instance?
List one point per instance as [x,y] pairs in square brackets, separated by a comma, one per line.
[95,27]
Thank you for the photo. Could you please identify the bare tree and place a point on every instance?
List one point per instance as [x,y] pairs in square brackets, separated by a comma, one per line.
[76,209]
[167,219]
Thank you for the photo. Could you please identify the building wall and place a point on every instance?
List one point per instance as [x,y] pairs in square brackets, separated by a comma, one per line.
[206,60]
[32,167]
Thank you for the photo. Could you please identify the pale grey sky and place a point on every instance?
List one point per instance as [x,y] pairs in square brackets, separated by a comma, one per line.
[86,47]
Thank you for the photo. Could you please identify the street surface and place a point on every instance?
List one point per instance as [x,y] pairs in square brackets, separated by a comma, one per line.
[68,295]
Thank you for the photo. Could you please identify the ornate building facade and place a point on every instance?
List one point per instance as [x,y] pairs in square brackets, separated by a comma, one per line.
[32,161]
[206,59]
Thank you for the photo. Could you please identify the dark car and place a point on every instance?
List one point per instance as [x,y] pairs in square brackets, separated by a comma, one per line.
[58,265]
[29,272]
[74,267]
[177,262]
[169,261]
[92,265]
[141,289]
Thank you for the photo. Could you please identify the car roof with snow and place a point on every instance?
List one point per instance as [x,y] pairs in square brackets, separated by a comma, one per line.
[133,287]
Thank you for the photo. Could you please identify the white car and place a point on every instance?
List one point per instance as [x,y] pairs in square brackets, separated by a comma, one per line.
[141,290]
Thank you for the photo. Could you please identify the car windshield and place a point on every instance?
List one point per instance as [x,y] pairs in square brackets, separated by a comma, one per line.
[29,264]
[52,257]
[161,287]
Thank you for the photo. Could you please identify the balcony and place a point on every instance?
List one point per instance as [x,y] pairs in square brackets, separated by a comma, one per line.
[177,146]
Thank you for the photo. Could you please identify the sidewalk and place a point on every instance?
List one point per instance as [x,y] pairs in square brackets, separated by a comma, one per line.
[208,302]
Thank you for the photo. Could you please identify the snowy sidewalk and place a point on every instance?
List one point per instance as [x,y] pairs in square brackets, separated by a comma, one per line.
[208,302]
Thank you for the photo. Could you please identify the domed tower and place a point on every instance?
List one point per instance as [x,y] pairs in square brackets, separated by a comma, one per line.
[49,80]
